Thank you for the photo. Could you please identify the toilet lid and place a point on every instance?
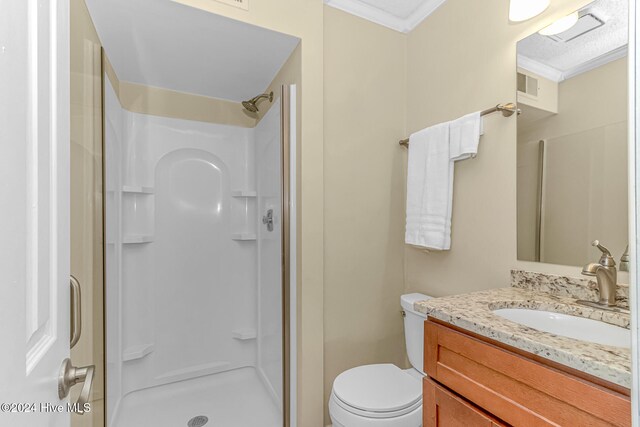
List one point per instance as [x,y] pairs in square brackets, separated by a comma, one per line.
[377,388]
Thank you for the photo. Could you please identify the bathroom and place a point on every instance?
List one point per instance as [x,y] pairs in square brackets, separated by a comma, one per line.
[159,136]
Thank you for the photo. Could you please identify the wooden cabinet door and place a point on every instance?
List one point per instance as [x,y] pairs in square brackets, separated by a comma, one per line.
[515,388]
[443,408]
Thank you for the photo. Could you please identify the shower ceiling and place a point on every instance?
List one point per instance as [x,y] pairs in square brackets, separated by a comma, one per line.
[165,44]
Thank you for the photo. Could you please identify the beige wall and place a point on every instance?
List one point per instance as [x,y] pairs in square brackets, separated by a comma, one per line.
[168,103]
[180,105]
[460,59]
[86,202]
[365,97]
[590,100]
[529,191]
[585,167]
[585,195]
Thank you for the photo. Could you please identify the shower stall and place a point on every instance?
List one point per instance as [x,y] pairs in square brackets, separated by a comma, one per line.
[194,280]
[196,230]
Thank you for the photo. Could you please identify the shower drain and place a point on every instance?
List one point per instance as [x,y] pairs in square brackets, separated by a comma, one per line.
[198,421]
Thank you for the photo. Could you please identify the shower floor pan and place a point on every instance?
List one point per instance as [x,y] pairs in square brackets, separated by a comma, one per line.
[235,398]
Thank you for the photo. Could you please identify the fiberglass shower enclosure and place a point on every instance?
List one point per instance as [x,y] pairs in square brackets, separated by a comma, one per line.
[194,292]
[194,296]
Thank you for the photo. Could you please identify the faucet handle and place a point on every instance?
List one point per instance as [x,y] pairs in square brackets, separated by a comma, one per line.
[604,250]
[606,259]
[624,260]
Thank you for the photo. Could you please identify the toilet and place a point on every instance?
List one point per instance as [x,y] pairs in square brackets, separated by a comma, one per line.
[384,395]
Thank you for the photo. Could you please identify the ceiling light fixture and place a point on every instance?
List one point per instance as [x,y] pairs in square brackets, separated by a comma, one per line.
[521,10]
[561,25]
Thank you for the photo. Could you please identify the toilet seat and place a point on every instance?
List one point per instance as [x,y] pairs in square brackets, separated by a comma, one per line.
[376,415]
[377,391]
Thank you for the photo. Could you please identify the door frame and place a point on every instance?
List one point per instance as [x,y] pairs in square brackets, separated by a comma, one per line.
[288,116]
[634,206]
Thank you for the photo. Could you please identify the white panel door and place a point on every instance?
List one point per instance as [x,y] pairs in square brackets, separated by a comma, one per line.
[34,210]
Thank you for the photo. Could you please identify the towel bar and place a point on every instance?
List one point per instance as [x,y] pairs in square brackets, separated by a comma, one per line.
[506,109]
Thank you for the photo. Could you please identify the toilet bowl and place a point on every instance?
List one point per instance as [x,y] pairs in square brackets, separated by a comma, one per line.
[384,395]
[376,395]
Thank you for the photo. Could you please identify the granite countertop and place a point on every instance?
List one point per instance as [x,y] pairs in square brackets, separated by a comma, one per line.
[473,312]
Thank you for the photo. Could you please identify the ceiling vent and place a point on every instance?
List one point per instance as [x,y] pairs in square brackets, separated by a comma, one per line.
[528,85]
[585,24]
[242,4]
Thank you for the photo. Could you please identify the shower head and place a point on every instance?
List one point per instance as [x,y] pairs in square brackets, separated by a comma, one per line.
[251,106]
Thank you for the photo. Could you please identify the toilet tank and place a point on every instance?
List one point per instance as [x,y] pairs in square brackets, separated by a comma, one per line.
[414,329]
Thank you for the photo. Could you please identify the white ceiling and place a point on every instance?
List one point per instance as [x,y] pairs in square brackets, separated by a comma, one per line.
[399,15]
[558,60]
[166,44]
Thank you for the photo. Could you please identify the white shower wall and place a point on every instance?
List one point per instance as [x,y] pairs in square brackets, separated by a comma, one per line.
[193,277]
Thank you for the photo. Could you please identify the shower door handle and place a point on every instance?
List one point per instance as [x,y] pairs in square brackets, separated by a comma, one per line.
[268,220]
[76,312]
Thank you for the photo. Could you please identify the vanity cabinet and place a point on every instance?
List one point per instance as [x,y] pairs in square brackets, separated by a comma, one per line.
[477,381]
[446,409]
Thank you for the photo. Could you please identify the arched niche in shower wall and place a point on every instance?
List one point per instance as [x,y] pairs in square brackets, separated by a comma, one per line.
[195,267]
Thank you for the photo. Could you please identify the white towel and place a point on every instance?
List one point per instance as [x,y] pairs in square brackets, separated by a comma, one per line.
[432,153]
[464,134]
[427,187]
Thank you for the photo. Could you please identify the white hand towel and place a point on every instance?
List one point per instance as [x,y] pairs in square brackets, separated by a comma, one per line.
[432,153]
[464,135]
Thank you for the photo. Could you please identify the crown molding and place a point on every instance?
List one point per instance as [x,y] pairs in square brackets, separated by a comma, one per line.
[540,69]
[370,13]
[601,60]
[421,13]
[558,76]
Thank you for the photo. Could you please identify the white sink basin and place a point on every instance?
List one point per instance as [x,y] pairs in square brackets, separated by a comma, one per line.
[565,325]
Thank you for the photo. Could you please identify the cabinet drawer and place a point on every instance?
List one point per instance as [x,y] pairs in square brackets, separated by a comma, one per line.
[445,409]
[518,390]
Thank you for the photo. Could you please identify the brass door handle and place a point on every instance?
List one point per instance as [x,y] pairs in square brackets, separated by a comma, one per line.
[70,376]
[76,312]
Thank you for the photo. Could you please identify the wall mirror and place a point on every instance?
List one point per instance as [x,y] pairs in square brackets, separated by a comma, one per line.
[572,137]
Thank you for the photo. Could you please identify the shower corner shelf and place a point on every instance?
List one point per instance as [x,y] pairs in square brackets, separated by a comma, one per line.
[243,236]
[136,189]
[135,239]
[244,334]
[137,352]
[243,193]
